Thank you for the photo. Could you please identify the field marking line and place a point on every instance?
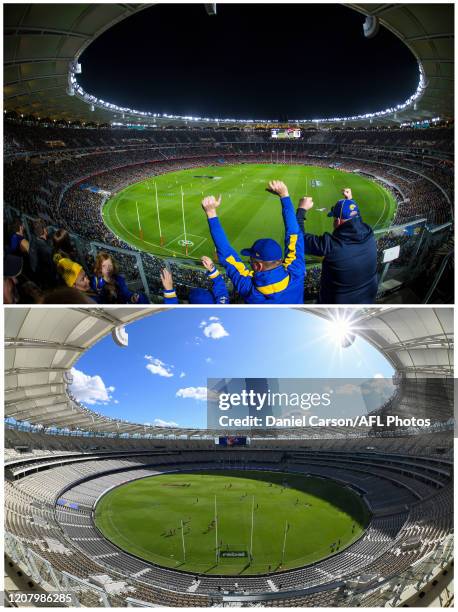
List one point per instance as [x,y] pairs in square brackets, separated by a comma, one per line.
[128,541]
[384,204]
[174,240]
[203,239]
[198,246]
[148,552]
[133,235]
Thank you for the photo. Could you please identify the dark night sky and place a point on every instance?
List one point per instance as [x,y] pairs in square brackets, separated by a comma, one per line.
[266,61]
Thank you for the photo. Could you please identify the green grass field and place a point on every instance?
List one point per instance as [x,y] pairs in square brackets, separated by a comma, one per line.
[144,518]
[247,212]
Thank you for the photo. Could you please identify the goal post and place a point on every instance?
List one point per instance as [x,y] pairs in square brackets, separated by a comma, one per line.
[216,534]
[140,230]
[252,530]
[284,543]
[161,237]
[184,222]
[182,540]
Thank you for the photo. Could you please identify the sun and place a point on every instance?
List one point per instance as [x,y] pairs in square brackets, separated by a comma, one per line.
[341,330]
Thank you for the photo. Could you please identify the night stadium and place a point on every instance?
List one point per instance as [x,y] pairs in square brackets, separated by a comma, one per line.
[118,494]
[119,121]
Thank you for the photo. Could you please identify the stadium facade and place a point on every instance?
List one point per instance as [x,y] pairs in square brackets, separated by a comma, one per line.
[61,456]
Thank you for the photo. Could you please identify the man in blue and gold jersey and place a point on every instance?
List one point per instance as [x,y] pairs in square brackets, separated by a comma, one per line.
[273,278]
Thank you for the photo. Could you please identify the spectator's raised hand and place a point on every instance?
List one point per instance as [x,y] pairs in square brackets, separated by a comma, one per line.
[347,193]
[207,263]
[210,204]
[306,203]
[278,188]
[167,279]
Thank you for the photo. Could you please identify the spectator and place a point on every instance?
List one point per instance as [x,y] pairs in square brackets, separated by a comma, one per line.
[12,269]
[110,285]
[65,295]
[74,276]
[349,268]
[63,244]
[18,245]
[272,280]
[30,293]
[41,256]
[197,295]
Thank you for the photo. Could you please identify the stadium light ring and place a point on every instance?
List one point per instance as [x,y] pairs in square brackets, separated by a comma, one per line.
[80,93]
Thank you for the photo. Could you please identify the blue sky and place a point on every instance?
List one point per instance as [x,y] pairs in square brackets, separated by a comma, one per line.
[161,376]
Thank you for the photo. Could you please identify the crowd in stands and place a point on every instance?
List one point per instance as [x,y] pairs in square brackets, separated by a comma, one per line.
[46,166]
[46,270]
[29,136]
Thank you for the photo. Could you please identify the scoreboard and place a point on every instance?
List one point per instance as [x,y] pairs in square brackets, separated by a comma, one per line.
[231,441]
[287,134]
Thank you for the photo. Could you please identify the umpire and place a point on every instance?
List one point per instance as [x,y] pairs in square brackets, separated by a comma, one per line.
[349,269]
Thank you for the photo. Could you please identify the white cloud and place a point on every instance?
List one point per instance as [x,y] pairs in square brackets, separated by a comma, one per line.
[208,360]
[90,389]
[182,374]
[156,366]
[348,389]
[197,393]
[215,331]
[378,376]
[162,423]
[213,319]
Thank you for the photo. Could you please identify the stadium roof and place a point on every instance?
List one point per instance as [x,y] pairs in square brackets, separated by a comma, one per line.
[43,43]
[42,344]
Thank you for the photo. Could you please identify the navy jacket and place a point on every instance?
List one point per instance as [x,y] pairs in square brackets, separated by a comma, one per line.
[349,269]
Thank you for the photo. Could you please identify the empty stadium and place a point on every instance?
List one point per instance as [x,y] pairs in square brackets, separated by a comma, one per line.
[63,459]
[72,159]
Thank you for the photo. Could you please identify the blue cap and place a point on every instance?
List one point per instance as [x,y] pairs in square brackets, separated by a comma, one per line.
[344,209]
[201,296]
[265,249]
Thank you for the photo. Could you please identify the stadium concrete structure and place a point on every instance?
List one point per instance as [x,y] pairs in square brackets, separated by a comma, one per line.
[59,139]
[61,456]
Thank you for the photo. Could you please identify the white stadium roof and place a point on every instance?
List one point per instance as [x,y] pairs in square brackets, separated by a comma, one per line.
[43,344]
[43,44]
